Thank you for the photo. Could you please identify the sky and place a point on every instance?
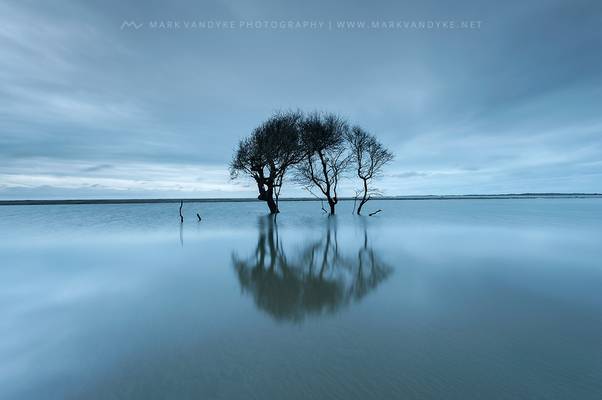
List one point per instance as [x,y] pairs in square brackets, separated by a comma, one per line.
[141,99]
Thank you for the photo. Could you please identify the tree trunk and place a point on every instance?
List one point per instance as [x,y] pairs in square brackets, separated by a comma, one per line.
[272,204]
[364,198]
[267,195]
[332,204]
[359,209]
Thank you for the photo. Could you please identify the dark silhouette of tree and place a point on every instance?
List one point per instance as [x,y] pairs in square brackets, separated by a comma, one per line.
[317,279]
[368,156]
[326,155]
[268,153]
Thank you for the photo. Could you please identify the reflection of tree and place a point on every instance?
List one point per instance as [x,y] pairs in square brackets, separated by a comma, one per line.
[321,278]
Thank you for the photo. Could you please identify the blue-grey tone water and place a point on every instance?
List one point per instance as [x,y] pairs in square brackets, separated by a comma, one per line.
[458,299]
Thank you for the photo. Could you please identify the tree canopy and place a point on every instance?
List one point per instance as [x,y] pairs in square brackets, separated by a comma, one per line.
[320,147]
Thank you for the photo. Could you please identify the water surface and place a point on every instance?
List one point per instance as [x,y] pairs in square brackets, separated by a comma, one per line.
[496,299]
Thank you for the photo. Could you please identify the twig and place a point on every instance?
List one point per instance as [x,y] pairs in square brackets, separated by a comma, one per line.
[198,216]
[181,216]
[375,212]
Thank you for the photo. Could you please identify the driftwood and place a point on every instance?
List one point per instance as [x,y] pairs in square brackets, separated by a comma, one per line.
[181,216]
[374,213]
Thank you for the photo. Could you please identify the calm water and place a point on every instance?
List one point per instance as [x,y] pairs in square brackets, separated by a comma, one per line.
[489,299]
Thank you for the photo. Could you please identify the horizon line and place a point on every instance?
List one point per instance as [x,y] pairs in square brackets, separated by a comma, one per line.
[526,195]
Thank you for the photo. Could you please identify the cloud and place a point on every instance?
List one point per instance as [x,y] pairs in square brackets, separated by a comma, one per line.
[410,174]
[153,179]
[96,168]
[512,105]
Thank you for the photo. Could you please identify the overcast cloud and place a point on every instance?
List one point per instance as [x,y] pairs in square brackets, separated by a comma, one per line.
[508,100]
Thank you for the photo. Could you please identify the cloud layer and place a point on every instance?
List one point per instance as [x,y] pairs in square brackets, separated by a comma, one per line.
[89,109]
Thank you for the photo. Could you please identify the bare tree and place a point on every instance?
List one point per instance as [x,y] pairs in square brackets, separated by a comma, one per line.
[268,153]
[326,154]
[368,156]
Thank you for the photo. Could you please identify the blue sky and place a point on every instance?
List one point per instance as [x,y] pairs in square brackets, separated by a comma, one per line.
[508,100]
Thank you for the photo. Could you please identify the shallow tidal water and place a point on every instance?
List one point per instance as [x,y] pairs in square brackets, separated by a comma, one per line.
[429,299]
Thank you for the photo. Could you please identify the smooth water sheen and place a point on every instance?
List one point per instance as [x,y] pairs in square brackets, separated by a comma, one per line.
[430,299]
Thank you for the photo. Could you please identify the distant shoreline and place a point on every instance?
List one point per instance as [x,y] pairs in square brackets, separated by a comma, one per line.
[246,199]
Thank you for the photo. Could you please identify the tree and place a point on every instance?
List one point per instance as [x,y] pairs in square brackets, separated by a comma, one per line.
[326,157]
[368,156]
[268,153]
